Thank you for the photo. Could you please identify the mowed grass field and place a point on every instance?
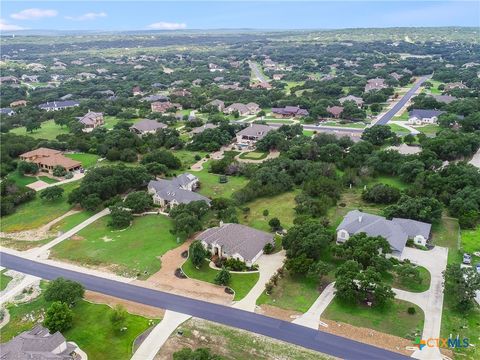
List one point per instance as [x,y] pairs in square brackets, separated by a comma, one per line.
[253,155]
[134,251]
[48,131]
[280,206]
[241,283]
[38,212]
[92,329]
[392,319]
[87,160]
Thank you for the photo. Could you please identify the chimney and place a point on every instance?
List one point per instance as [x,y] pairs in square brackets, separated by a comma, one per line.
[221,223]
[360,218]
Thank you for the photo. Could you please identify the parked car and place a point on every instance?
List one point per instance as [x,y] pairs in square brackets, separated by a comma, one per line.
[478,267]
[467,259]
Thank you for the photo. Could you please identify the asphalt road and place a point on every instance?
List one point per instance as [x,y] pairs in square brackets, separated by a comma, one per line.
[354,134]
[278,329]
[396,108]
[257,72]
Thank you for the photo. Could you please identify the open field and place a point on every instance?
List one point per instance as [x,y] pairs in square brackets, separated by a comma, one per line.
[241,283]
[49,131]
[308,133]
[92,329]
[389,180]
[355,125]
[471,240]
[428,129]
[210,186]
[21,179]
[399,129]
[87,160]
[111,121]
[188,157]
[37,212]
[280,206]
[134,251]
[392,319]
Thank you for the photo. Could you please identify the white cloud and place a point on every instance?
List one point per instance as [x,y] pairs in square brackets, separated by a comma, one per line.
[9,27]
[31,14]
[162,25]
[87,16]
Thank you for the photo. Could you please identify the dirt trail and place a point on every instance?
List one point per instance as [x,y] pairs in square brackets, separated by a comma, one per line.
[37,234]
[166,280]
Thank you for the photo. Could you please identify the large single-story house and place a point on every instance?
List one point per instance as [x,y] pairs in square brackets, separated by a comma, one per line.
[289,111]
[179,190]
[251,134]
[357,100]
[235,241]
[397,231]
[38,344]
[455,85]
[155,97]
[219,104]
[147,126]
[243,109]
[58,105]
[91,120]
[423,116]
[447,99]
[48,159]
[204,127]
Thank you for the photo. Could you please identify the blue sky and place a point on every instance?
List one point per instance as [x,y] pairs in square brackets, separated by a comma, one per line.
[143,15]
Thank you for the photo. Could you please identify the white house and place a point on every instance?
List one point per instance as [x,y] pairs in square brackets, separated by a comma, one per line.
[422,116]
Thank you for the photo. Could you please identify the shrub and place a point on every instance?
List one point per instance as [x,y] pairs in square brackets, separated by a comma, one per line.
[65,291]
[223,277]
[234,265]
[59,171]
[269,287]
[268,248]
[58,317]
[411,310]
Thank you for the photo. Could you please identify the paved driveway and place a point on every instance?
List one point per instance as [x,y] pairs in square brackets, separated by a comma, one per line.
[431,301]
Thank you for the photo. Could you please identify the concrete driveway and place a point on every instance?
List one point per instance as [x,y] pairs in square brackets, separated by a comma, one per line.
[431,301]
[267,266]
[311,318]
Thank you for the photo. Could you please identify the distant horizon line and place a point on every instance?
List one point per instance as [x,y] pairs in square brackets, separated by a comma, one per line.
[227,29]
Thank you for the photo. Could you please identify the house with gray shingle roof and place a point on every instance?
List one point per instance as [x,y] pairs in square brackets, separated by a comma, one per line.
[235,241]
[179,190]
[91,120]
[252,133]
[396,231]
[423,116]
[38,344]
[147,126]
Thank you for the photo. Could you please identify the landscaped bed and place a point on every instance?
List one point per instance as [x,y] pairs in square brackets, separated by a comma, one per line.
[37,212]
[391,319]
[240,283]
[92,329]
[134,251]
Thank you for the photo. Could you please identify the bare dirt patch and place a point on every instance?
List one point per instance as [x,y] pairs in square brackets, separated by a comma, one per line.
[166,280]
[278,313]
[368,336]
[130,306]
[107,239]
[77,237]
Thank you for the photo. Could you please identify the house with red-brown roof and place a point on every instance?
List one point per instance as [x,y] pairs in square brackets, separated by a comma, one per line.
[47,159]
[336,111]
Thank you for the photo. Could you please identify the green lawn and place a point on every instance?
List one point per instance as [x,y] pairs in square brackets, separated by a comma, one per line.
[394,281]
[280,206]
[87,160]
[21,179]
[210,187]
[403,117]
[399,129]
[446,233]
[428,129]
[292,293]
[389,180]
[47,179]
[253,155]
[291,84]
[37,212]
[4,279]
[241,283]
[91,330]
[188,157]
[308,133]
[71,221]
[355,125]
[130,252]
[392,319]
[471,242]
[49,131]
[277,121]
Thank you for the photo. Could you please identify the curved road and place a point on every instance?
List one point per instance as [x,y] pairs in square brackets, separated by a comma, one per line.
[282,330]
[396,108]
